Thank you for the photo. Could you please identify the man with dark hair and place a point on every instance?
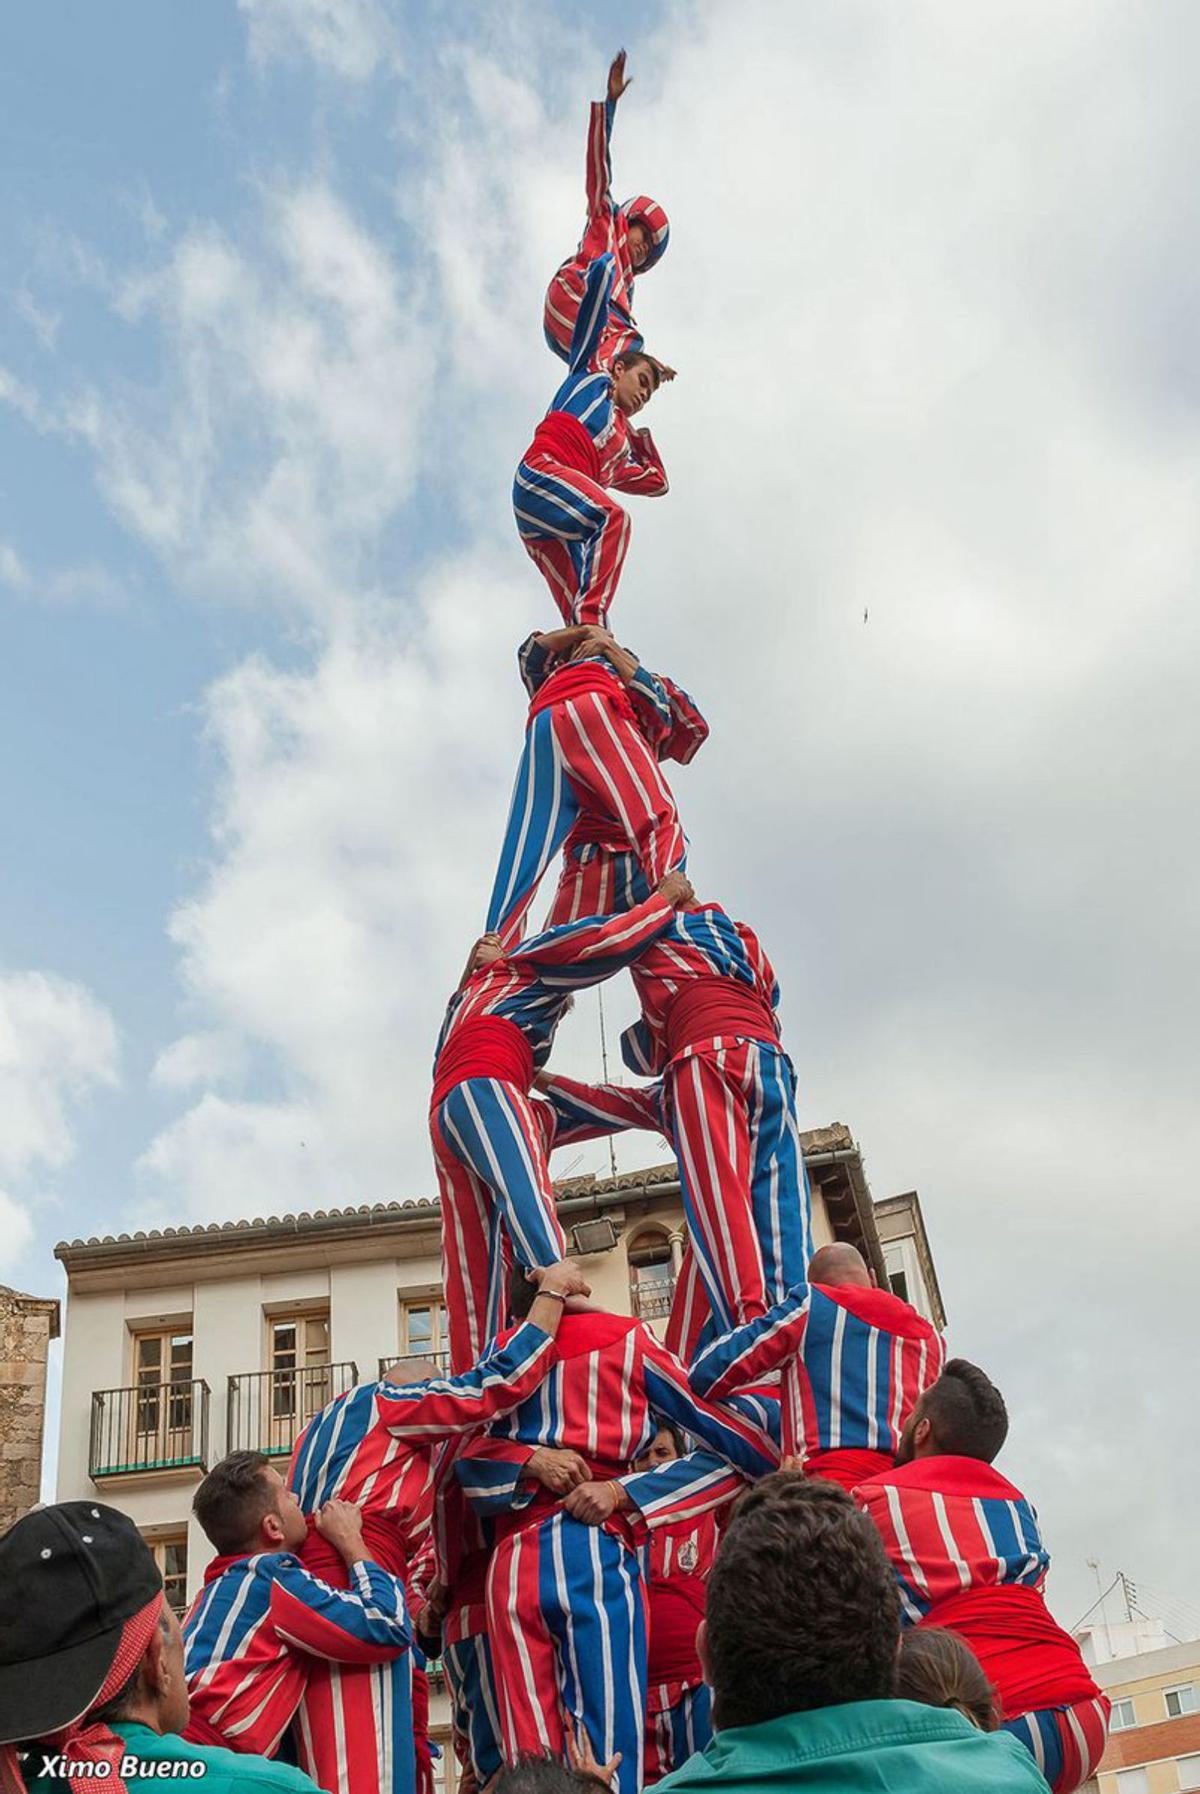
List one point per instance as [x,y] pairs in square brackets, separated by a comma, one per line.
[800,1642]
[854,1359]
[91,1665]
[262,1620]
[968,1555]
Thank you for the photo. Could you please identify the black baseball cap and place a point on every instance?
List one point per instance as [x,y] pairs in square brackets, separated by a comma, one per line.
[71,1577]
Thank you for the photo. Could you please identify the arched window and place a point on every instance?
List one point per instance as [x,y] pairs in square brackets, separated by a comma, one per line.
[651,1274]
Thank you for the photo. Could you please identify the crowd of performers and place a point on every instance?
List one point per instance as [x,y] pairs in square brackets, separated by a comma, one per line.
[543,1519]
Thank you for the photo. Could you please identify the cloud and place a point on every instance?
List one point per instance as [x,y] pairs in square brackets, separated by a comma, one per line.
[346,38]
[57,1044]
[16,1234]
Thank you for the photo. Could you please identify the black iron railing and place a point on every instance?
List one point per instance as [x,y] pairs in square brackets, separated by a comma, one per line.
[652,1301]
[151,1426]
[269,1409]
[438,1362]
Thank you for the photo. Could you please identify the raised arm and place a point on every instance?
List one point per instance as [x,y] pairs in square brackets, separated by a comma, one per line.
[505,1376]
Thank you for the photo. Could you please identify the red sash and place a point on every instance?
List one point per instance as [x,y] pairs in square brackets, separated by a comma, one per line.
[708,1007]
[484,1046]
[578,677]
[381,1535]
[562,438]
[676,1610]
[847,1465]
[1027,1657]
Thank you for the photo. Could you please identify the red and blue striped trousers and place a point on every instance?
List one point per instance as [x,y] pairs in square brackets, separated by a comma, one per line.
[497,1204]
[566,1608]
[1066,1743]
[581,753]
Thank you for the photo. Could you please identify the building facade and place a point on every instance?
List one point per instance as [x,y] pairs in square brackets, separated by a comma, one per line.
[27,1325]
[1154,1733]
[185,1344]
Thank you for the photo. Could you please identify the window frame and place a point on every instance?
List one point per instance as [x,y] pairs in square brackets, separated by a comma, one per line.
[1188,1688]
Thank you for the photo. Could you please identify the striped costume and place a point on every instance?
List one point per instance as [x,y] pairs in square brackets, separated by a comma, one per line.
[727,1096]
[573,531]
[968,1555]
[606,231]
[490,1142]
[565,1601]
[676,1561]
[257,1635]
[589,773]
[854,1362]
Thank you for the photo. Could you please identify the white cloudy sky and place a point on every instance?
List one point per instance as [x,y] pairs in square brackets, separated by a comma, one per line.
[271,281]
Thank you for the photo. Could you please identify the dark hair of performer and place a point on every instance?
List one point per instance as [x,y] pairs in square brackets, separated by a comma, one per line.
[961,1415]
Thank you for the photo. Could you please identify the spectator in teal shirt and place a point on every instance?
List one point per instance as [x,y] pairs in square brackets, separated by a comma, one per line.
[799,1646]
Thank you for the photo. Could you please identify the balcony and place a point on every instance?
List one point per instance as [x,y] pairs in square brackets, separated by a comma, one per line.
[652,1301]
[150,1428]
[269,1409]
[438,1362]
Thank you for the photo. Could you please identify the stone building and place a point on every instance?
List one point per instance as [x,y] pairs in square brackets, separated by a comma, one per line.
[27,1325]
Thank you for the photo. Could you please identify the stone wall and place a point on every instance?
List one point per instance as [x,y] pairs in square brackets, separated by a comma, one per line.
[27,1325]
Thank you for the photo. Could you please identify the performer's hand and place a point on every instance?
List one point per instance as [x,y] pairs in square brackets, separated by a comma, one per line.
[341,1523]
[617,82]
[562,1279]
[594,1503]
[579,1753]
[557,1470]
[676,887]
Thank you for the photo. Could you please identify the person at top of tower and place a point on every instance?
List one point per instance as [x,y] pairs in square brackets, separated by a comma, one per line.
[575,533]
[635,233]
[599,725]
[968,1555]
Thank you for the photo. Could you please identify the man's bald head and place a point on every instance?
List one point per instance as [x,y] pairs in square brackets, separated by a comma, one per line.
[840,1266]
[410,1370]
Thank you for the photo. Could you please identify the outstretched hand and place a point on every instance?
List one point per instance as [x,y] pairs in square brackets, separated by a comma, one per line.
[617,82]
[583,1762]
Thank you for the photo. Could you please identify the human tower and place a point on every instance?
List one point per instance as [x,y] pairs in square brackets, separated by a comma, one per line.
[548,1512]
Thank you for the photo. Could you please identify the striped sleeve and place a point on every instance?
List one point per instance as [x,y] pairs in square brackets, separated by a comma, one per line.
[365,1623]
[652,705]
[533,663]
[733,1436]
[640,468]
[490,1473]
[504,1377]
[591,1111]
[598,181]
[747,1354]
[586,952]
[684,1489]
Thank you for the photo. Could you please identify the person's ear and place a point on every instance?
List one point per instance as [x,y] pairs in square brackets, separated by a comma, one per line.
[702,1650]
[271,1531]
